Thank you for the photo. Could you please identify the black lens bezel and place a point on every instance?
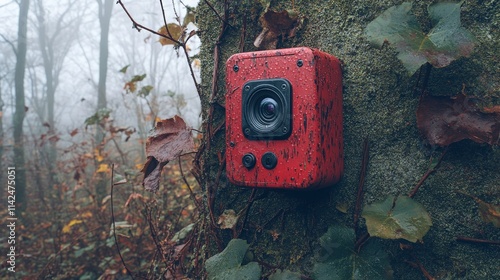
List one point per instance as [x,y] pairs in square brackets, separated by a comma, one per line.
[254,125]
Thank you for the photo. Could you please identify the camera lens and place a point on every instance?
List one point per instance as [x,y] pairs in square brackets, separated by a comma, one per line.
[267,109]
[265,113]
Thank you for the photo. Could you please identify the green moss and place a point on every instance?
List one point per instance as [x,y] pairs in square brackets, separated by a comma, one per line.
[379,103]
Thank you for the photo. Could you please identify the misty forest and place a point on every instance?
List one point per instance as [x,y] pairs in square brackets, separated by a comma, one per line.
[250,139]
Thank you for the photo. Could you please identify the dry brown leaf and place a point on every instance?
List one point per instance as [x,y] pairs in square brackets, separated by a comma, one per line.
[174,32]
[444,120]
[169,139]
[228,219]
[489,213]
[275,24]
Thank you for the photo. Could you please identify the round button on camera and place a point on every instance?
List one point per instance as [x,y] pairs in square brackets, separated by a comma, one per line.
[249,160]
[269,160]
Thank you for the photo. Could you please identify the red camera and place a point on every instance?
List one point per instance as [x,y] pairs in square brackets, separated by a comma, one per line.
[284,119]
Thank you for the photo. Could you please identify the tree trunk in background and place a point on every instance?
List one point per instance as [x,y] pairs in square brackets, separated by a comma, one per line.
[105,9]
[54,46]
[19,161]
[1,133]
[283,227]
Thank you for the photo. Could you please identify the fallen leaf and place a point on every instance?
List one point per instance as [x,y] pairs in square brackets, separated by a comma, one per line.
[493,109]
[103,168]
[397,217]
[444,120]
[489,213]
[174,32]
[169,139]
[445,42]
[274,234]
[275,24]
[228,219]
[73,132]
[68,226]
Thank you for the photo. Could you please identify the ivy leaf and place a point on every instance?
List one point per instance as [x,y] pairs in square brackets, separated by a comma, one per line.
[227,264]
[445,42]
[174,32]
[337,259]
[397,217]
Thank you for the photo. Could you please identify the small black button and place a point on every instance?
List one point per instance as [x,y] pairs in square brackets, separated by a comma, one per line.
[249,160]
[269,160]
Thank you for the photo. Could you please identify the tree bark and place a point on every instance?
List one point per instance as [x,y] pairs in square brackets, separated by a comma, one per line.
[19,114]
[284,227]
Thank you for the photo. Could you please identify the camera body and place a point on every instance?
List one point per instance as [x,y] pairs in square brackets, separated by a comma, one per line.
[284,119]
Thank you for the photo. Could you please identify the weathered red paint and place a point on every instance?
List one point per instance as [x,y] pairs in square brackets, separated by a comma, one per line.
[312,157]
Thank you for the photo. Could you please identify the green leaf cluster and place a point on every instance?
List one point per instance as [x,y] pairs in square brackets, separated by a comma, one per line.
[445,42]
[338,260]
[98,117]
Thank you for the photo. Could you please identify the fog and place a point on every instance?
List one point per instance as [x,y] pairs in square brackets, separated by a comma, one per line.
[76,137]
[76,93]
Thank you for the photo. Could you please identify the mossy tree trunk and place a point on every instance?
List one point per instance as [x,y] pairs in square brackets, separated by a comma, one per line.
[379,104]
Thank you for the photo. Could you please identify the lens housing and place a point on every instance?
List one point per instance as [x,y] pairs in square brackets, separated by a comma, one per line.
[267,109]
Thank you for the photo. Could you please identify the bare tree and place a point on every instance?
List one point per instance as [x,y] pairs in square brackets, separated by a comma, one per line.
[105,8]
[104,12]
[21,50]
[55,37]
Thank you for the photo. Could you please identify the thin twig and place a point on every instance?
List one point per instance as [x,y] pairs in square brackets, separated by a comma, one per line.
[243,34]
[75,240]
[246,209]
[419,265]
[475,240]
[431,170]
[138,25]
[113,223]
[191,193]
[359,243]
[224,20]
[215,79]
[165,19]
[362,176]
